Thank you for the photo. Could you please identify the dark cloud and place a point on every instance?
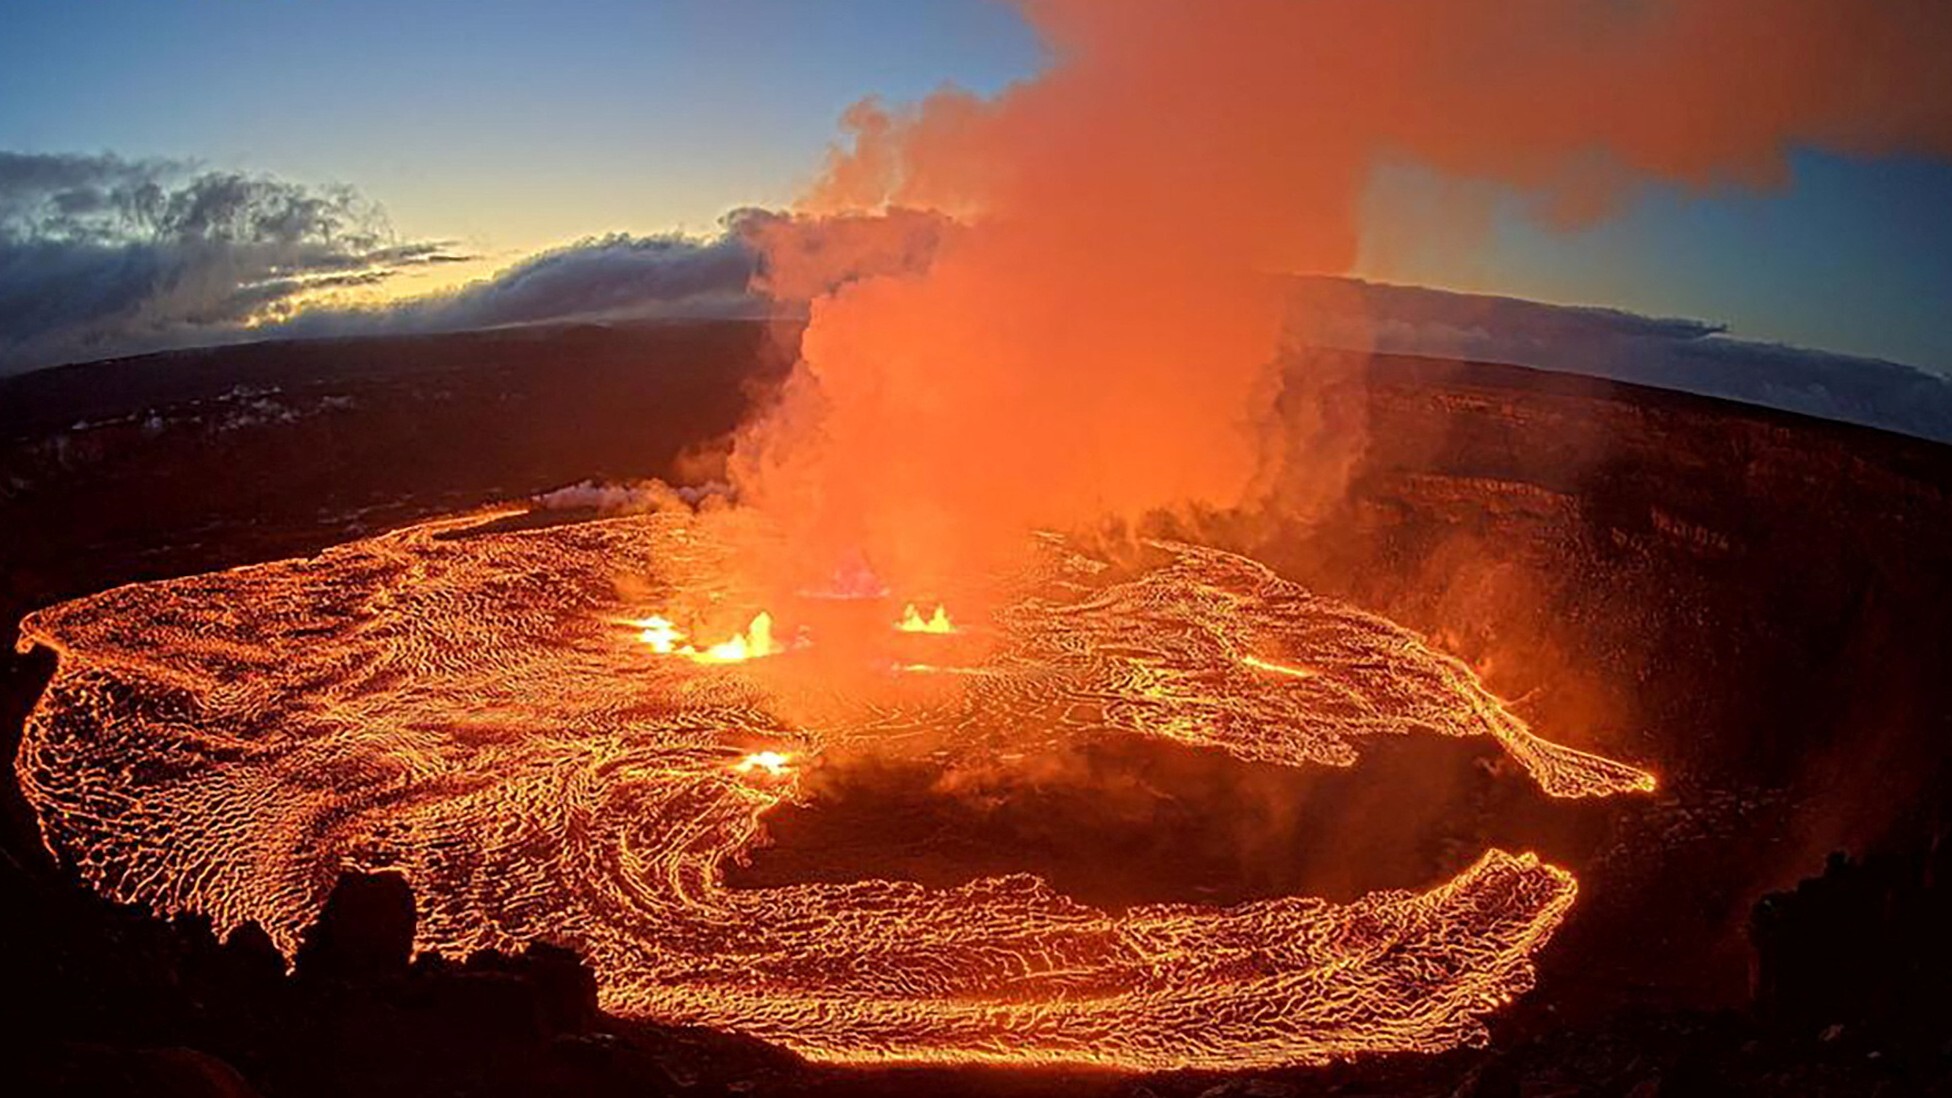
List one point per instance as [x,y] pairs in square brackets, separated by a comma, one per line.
[1686,355]
[103,256]
[613,277]
[100,255]
[761,263]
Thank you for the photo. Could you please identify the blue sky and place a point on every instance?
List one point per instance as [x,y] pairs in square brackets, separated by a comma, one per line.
[516,126]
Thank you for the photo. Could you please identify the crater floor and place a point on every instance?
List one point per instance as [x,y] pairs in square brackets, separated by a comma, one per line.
[467,705]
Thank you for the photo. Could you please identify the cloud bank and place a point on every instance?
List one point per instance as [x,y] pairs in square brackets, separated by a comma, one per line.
[101,256]
[617,277]
[762,263]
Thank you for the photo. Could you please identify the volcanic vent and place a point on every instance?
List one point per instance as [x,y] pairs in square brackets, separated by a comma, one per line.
[481,709]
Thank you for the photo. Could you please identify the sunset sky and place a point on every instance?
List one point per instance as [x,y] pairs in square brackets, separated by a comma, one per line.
[511,127]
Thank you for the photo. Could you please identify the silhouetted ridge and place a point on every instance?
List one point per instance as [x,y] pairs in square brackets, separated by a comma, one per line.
[365,929]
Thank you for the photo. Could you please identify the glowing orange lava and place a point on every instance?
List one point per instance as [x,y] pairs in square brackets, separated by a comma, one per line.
[772,763]
[912,621]
[1260,664]
[663,637]
[462,706]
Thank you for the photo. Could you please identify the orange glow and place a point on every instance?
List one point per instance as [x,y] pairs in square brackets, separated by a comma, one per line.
[659,633]
[396,702]
[773,763]
[755,642]
[912,621]
[663,637]
[1122,223]
[427,282]
[1278,668]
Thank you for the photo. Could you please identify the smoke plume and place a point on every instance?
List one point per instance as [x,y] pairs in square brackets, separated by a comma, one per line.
[1096,335]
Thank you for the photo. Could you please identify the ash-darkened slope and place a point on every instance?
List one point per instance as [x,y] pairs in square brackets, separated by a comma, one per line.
[1752,603]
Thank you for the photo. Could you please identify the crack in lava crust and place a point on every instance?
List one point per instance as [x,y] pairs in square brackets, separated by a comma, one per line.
[461,706]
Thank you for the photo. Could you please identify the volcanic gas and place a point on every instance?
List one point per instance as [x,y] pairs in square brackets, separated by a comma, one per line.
[491,712]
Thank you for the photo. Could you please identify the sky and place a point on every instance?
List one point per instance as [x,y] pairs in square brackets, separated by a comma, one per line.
[1846,254]
[512,127]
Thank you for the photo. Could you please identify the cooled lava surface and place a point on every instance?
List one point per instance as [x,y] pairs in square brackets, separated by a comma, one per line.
[483,710]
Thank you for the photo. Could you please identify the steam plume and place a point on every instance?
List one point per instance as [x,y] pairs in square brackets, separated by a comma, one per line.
[1096,337]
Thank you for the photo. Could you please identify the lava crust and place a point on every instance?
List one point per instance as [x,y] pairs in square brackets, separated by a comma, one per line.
[464,706]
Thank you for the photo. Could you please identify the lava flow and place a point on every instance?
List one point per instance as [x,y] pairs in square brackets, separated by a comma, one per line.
[463,706]
[912,621]
[664,637]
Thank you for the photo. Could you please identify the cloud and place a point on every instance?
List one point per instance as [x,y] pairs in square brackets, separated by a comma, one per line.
[762,263]
[101,255]
[612,277]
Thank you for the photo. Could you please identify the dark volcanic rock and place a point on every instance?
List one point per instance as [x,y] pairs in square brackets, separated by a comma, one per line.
[1864,944]
[125,1003]
[365,930]
[154,1073]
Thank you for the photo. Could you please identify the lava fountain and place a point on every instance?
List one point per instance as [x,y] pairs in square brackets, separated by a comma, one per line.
[545,758]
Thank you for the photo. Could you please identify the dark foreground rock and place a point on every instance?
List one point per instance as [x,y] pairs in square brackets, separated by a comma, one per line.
[123,1002]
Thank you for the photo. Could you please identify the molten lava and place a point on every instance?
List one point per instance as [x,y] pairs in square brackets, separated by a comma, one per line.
[661,634]
[912,621]
[1260,664]
[460,706]
[771,763]
[663,637]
